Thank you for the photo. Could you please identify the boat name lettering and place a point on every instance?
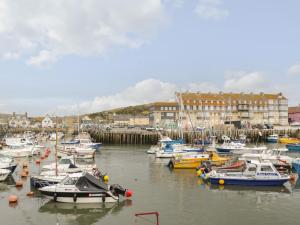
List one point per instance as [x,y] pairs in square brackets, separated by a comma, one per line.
[267,174]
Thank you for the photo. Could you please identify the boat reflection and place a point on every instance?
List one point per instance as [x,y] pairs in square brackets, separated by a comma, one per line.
[258,189]
[86,214]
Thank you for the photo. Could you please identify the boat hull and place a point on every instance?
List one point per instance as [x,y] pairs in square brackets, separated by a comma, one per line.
[272,140]
[249,182]
[289,140]
[293,147]
[79,197]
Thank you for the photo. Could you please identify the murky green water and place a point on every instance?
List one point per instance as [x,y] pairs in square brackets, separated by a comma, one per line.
[179,196]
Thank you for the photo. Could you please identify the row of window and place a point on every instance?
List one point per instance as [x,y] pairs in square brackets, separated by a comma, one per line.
[270,101]
[234,108]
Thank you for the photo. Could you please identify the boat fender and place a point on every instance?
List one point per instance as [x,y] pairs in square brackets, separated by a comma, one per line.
[55,197]
[75,198]
[103,198]
[221,182]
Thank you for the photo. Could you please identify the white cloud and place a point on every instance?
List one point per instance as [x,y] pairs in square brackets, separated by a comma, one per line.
[294,69]
[243,81]
[145,91]
[44,31]
[10,55]
[211,9]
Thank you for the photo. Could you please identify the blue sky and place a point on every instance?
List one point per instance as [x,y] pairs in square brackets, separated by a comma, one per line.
[103,54]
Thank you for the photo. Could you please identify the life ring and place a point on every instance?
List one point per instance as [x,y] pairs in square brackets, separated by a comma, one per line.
[75,198]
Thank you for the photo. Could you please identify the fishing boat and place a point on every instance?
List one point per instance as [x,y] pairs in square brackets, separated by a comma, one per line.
[289,140]
[256,173]
[77,152]
[7,163]
[83,143]
[273,138]
[293,147]
[162,144]
[296,165]
[84,189]
[187,161]
[4,174]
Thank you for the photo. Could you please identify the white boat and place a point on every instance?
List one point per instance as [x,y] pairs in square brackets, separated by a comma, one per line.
[275,156]
[248,149]
[84,189]
[67,164]
[256,173]
[4,174]
[7,163]
[77,152]
[19,151]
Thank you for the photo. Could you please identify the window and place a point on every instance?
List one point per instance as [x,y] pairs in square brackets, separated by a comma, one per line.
[70,181]
[266,169]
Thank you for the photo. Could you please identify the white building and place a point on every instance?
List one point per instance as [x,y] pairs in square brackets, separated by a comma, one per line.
[47,122]
[19,121]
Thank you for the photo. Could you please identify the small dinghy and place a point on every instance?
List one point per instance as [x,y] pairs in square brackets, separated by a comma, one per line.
[256,173]
[4,174]
[84,189]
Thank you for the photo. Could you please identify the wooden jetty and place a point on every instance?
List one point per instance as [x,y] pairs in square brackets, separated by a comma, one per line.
[146,137]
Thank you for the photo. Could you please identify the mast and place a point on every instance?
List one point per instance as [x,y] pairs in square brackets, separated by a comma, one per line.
[56,143]
[78,124]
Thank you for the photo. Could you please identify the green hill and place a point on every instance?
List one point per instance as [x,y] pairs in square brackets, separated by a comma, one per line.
[131,110]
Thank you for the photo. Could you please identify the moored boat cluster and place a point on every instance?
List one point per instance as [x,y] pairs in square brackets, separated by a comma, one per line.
[233,162]
[73,177]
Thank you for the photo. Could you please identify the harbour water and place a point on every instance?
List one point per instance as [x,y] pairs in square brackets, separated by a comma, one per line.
[179,196]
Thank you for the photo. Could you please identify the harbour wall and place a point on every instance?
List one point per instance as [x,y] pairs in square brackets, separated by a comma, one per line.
[145,137]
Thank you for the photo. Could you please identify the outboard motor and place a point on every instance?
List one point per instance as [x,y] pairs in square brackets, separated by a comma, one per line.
[116,189]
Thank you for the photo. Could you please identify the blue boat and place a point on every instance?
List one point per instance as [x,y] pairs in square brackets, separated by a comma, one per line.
[273,138]
[293,147]
[72,142]
[255,174]
[296,165]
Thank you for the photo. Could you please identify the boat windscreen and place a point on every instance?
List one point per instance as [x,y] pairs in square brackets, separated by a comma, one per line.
[90,183]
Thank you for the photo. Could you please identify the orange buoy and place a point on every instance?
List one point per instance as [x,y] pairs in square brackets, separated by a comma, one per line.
[24,174]
[31,193]
[26,171]
[12,199]
[38,161]
[19,184]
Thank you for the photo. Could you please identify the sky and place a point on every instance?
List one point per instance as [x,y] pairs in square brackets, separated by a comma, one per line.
[79,56]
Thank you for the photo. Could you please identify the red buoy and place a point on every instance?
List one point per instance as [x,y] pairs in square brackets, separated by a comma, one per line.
[38,161]
[128,193]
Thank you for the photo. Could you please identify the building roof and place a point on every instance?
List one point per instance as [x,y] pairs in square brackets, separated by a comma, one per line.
[164,104]
[229,97]
[295,109]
